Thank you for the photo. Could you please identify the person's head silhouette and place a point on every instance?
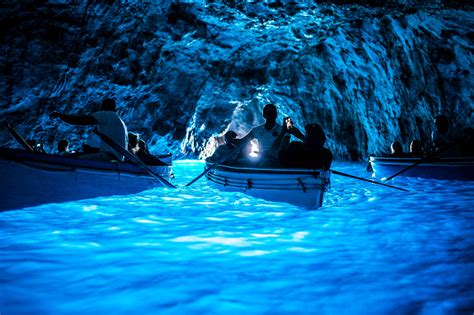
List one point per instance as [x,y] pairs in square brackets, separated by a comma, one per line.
[229,137]
[270,113]
[315,136]
[63,146]
[397,148]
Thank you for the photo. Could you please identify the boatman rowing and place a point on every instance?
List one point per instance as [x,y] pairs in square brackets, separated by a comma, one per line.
[264,135]
[108,122]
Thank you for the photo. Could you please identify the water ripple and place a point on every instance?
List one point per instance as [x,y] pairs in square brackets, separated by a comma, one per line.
[199,250]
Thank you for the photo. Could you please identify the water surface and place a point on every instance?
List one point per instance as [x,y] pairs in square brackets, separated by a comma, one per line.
[368,250]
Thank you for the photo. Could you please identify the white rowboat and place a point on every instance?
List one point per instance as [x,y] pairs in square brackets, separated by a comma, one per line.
[301,187]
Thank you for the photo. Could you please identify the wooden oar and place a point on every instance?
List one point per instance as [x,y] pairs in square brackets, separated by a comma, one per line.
[202,174]
[366,180]
[19,138]
[132,158]
[423,160]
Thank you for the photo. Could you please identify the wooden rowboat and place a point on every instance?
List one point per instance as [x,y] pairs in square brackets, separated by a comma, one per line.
[456,168]
[301,187]
[30,179]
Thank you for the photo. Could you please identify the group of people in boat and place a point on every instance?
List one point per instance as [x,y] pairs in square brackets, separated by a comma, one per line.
[271,138]
[268,145]
[444,142]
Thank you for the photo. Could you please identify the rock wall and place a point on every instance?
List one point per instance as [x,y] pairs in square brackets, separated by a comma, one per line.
[185,72]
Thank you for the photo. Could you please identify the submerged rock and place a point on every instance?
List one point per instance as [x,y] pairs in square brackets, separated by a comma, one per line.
[184,73]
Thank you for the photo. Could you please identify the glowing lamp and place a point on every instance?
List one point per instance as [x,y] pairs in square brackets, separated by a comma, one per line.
[254,149]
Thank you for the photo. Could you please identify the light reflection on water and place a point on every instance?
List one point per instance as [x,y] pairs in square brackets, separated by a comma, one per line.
[369,249]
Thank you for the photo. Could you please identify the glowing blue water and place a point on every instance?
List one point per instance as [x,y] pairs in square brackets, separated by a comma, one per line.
[370,249]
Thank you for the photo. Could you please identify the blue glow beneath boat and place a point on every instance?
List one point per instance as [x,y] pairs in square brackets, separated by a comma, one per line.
[199,250]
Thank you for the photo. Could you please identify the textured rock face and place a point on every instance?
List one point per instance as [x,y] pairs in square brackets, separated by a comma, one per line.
[184,73]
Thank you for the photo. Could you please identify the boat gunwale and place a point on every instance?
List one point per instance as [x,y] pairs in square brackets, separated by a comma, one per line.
[72,169]
[255,170]
[425,161]
[233,183]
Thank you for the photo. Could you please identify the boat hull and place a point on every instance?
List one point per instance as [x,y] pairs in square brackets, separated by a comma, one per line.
[441,168]
[30,179]
[300,187]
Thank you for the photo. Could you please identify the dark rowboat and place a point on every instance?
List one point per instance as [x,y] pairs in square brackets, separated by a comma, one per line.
[459,168]
[29,179]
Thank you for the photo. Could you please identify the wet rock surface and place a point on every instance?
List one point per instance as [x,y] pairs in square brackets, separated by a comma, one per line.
[183,73]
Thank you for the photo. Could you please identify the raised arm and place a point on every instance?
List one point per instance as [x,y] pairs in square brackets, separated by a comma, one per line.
[75,119]
[296,132]
[287,129]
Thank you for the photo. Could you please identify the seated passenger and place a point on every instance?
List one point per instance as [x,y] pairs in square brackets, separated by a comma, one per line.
[133,139]
[397,150]
[227,152]
[444,141]
[63,147]
[307,154]
[416,150]
[36,146]
[440,137]
[145,156]
[467,146]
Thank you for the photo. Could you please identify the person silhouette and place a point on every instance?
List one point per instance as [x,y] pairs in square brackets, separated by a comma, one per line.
[397,150]
[108,122]
[309,153]
[263,136]
[416,149]
[63,147]
[440,137]
[226,149]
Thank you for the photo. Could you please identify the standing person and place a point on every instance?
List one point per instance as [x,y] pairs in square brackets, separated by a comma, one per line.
[265,134]
[108,122]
